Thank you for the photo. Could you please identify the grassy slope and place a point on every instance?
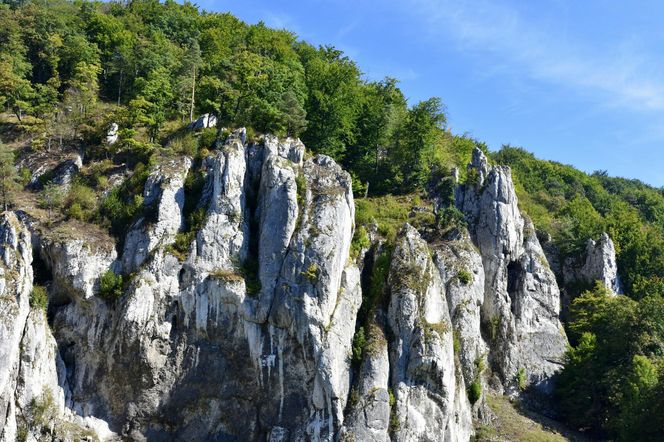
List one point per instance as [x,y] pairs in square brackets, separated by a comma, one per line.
[513,424]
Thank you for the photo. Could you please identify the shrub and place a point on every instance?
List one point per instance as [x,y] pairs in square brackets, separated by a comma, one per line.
[378,282]
[51,198]
[207,138]
[465,277]
[451,218]
[395,425]
[180,247]
[185,144]
[301,183]
[81,202]
[493,328]
[39,297]
[480,366]
[473,177]
[311,273]
[123,203]
[360,241]
[101,182]
[474,391]
[44,410]
[24,176]
[359,343]
[110,286]
[521,378]
[456,342]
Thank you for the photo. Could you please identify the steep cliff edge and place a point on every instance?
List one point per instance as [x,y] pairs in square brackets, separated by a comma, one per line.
[252,334]
[521,306]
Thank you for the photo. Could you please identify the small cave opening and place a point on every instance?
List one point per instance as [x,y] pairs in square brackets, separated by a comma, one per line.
[514,272]
[41,273]
[174,315]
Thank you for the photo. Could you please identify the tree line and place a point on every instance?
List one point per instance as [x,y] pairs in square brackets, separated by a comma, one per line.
[159,62]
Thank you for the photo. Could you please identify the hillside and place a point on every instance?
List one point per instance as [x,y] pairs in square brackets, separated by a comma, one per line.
[175,263]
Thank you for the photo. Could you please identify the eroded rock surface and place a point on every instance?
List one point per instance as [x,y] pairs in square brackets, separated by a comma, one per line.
[521,297]
[599,265]
[251,334]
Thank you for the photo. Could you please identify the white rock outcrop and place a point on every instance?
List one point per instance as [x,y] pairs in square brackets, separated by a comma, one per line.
[112,134]
[163,201]
[521,297]
[203,122]
[250,335]
[600,265]
[431,402]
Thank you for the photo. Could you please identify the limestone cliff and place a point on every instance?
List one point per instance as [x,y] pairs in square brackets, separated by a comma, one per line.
[250,335]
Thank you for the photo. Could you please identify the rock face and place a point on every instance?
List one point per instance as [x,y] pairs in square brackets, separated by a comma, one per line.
[431,402]
[522,300]
[76,265]
[163,201]
[462,275]
[33,390]
[112,134]
[599,265]
[257,333]
[204,121]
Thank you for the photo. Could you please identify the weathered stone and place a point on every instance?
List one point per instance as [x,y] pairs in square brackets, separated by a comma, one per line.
[203,122]
[163,201]
[112,134]
[522,300]
[600,265]
[430,399]
[250,336]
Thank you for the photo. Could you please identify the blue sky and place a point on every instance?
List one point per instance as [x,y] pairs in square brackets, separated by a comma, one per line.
[580,82]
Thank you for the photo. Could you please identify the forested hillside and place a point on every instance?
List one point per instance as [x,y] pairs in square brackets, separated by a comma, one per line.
[70,69]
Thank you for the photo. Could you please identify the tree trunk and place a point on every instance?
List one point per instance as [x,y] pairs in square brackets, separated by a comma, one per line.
[193,95]
[120,87]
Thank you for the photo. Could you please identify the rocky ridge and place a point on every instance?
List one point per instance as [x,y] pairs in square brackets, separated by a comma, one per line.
[200,347]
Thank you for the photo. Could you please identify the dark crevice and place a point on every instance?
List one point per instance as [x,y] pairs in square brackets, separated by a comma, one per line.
[514,271]
[40,270]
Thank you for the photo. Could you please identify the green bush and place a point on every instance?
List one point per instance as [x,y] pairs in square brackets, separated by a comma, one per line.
[207,138]
[24,176]
[185,144]
[110,286]
[301,184]
[39,297]
[81,202]
[465,277]
[456,343]
[125,202]
[395,424]
[359,343]
[474,391]
[388,212]
[360,241]
[51,198]
[378,283]
[249,271]
[521,379]
[451,218]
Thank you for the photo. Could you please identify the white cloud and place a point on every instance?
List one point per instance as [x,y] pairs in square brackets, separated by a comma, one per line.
[621,78]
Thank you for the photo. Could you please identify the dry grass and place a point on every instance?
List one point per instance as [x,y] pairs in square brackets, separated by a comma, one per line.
[511,424]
